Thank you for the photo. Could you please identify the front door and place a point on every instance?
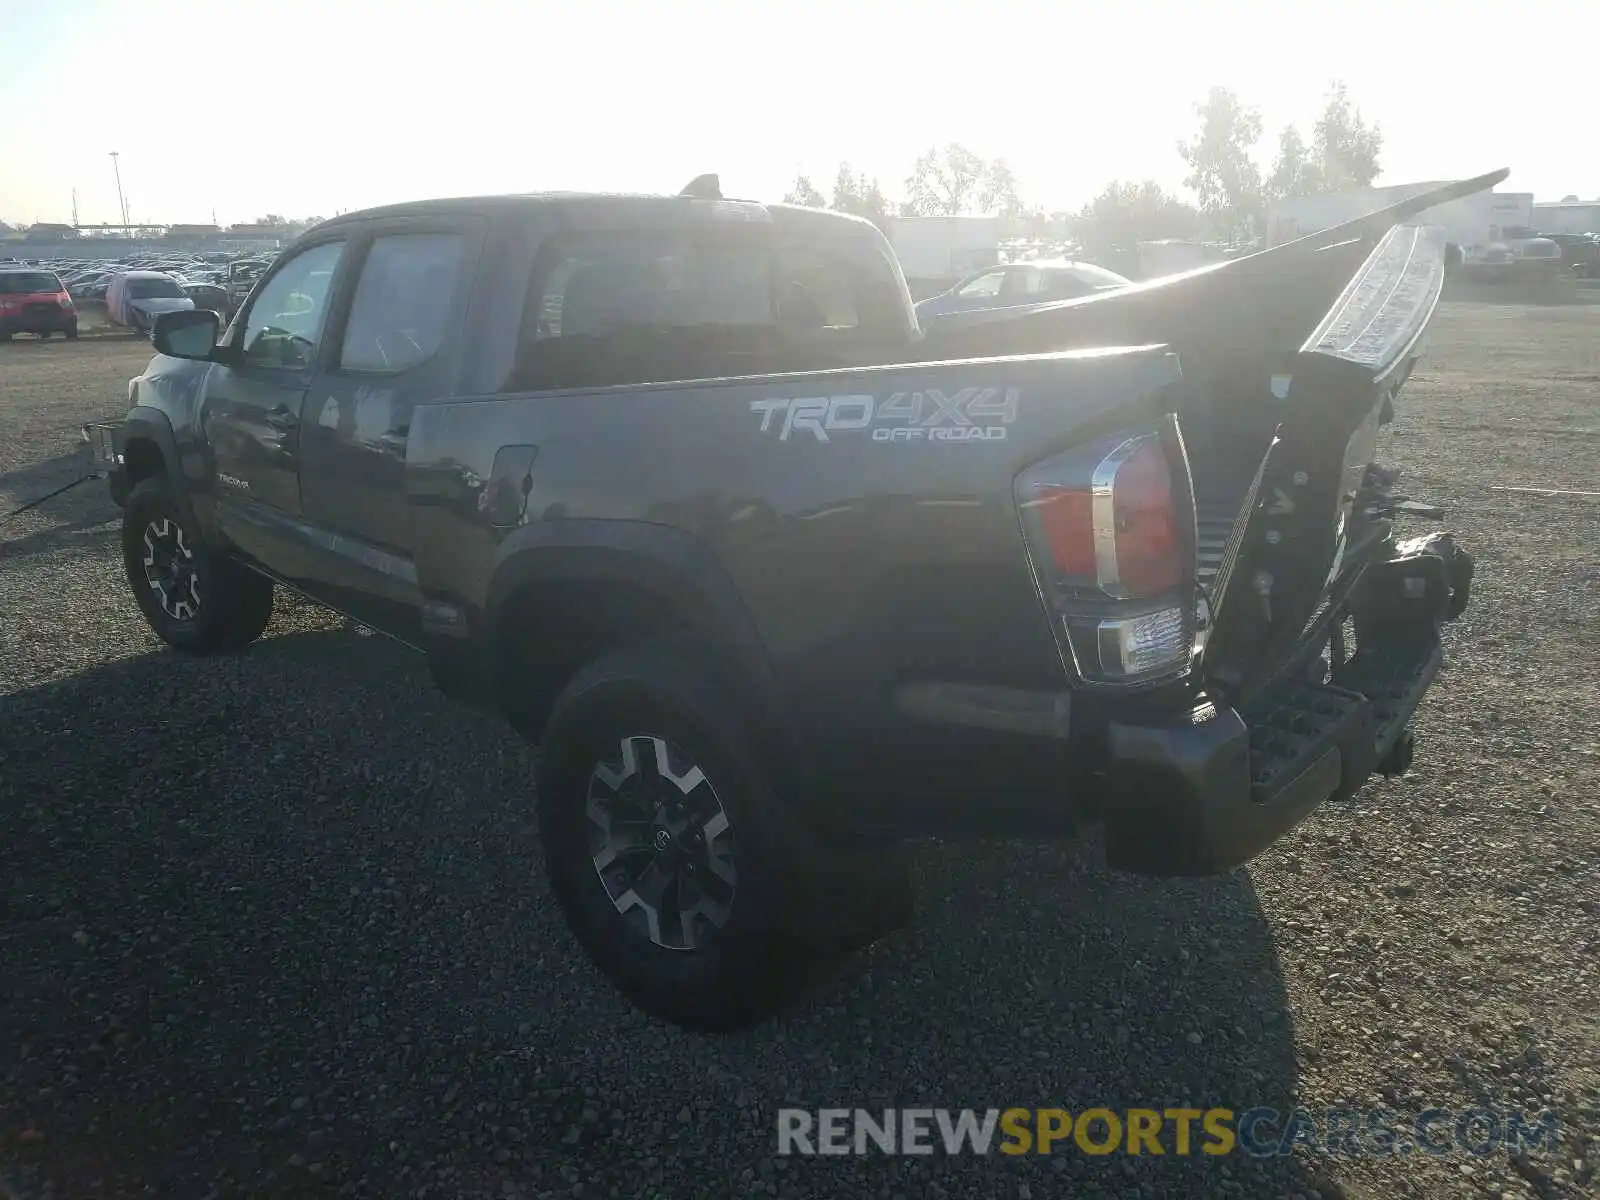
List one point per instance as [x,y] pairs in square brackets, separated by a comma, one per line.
[251,411]
[397,349]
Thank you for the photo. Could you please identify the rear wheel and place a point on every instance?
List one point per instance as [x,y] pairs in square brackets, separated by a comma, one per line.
[193,598]
[72,332]
[671,859]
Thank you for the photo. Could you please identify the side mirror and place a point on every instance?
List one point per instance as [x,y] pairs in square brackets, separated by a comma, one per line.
[187,333]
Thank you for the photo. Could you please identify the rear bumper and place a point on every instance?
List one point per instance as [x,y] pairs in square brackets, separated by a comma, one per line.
[1210,789]
[1209,793]
[52,320]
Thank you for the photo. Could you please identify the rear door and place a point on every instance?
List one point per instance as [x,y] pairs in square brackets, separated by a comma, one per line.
[251,411]
[394,347]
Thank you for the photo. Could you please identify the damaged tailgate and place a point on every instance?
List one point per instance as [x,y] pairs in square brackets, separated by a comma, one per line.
[1320,628]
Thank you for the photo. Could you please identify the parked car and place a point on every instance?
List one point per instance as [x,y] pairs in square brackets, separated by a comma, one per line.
[1531,253]
[777,579]
[241,277]
[135,298]
[206,295]
[1580,253]
[33,300]
[1014,284]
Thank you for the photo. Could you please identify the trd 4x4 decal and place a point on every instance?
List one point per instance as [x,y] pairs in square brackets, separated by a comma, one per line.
[974,414]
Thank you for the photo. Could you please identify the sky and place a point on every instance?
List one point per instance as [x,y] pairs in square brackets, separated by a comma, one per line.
[304,109]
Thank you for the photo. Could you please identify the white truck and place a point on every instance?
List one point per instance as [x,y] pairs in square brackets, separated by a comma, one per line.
[935,252]
[1514,228]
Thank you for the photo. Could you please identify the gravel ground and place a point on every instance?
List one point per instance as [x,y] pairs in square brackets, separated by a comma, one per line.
[274,926]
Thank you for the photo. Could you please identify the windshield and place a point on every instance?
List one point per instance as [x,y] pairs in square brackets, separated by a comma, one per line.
[154,289]
[28,283]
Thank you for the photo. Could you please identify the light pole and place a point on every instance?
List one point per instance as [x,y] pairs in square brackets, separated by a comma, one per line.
[122,204]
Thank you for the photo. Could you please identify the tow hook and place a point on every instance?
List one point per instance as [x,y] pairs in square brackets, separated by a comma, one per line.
[1398,760]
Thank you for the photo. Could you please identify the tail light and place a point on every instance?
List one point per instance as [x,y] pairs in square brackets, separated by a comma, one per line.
[1110,529]
[64,300]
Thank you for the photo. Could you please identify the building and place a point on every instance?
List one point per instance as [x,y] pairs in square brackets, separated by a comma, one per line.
[1567,216]
[50,231]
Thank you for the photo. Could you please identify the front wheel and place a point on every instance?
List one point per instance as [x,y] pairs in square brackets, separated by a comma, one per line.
[194,599]
[664,845]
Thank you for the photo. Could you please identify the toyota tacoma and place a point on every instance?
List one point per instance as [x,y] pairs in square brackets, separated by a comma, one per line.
[777,582]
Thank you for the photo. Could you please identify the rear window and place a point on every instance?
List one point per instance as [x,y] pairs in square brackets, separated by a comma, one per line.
[28,283]
[155,289]
[615,308]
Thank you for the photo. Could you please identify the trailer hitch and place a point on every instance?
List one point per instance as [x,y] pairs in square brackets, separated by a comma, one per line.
[1378,501]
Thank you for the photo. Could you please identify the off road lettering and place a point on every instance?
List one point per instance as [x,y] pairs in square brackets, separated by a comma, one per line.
[973,414]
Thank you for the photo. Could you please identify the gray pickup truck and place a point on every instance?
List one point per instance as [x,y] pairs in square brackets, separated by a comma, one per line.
[777,581]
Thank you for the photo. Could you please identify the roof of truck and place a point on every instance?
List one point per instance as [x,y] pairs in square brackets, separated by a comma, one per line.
[619,201]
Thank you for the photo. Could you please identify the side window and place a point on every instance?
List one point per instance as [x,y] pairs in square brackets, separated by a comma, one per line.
[1064,285]
[285,323]
[620,308]
[986,285]
[815,292]
[402,302]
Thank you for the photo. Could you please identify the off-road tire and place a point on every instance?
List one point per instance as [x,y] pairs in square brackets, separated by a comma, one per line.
[743,971]
[228,606]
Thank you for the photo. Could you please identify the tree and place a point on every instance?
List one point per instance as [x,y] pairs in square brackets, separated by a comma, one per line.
[943,182]
[997,192]
[954,180]
[1125,214]
[1293,172]
[859,196]
[1222,172]
[802,191]
[1344,147]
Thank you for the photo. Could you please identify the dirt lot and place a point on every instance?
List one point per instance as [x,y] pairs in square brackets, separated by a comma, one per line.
[273,925]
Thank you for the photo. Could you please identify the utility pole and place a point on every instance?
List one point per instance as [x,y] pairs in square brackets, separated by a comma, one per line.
[121,203]
[74,208]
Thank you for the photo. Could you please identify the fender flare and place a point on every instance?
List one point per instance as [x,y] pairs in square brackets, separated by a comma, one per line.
[185,475]
[685,571]
[147,424]
[661,559]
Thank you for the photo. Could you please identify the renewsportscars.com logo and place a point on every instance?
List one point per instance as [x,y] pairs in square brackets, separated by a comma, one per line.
[1256,1132]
